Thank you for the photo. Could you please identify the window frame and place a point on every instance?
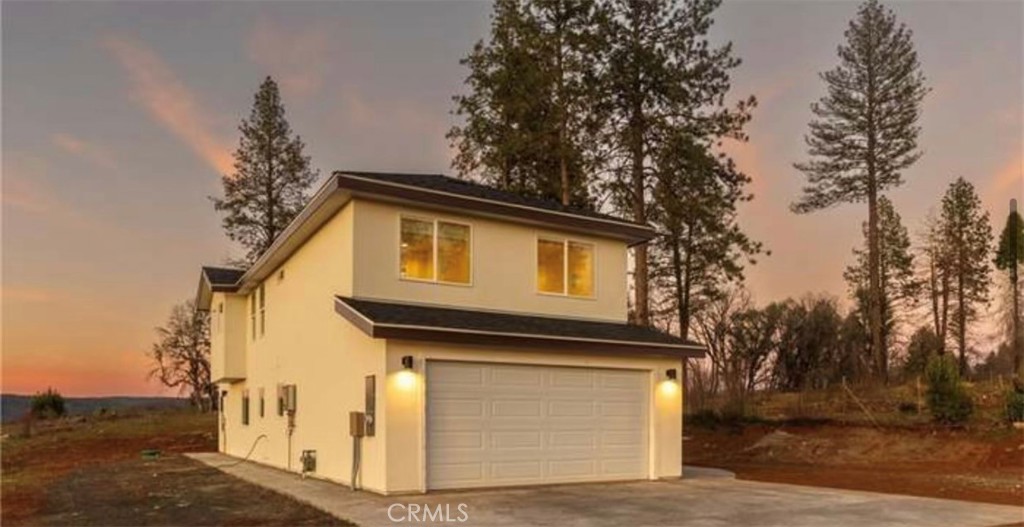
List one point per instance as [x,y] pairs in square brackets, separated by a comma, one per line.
[261,406]
[263,309]
[252,314]
[565,241]
[245,407]
[435,221]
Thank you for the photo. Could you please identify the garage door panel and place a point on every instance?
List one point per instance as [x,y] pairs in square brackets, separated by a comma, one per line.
[562,440]
[504,440]
[493,425]
[574,468]
[458,439]
[502,408]
[443,408]
[512,472]
[502,376]
[458,374]
[460,473]
[566,408]
[578,378]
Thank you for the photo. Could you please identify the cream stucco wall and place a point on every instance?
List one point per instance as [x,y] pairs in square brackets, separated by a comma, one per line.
[308,344]
[504,267]
[227,340]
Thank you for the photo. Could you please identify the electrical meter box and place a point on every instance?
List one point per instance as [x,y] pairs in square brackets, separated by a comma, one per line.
[356,424]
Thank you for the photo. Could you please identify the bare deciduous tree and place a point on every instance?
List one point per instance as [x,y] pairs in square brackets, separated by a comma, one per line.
[182,355]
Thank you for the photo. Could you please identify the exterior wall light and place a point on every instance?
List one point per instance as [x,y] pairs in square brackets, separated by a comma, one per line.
[407,362]
[671,374]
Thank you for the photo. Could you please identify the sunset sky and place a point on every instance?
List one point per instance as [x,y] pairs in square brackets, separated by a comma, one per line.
[120,117]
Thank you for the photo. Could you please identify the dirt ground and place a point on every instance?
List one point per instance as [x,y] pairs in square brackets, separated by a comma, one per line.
[91,472]
[975,465]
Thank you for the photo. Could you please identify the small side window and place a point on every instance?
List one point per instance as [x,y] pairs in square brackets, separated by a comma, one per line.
[245,407]
[261,402]
[263,310]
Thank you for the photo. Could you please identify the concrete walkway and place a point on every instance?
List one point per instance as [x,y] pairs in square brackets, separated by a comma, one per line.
[706,501]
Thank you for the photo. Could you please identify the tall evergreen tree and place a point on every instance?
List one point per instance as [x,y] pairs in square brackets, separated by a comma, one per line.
[1009,257]
[967,239]
[663,78]
[865,132]
[899,285]
[935,278]
[701,248]
[531,114]
[271,180]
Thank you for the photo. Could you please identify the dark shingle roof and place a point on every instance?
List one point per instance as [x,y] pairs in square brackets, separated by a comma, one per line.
[222,276]
[463,187]
[628,337]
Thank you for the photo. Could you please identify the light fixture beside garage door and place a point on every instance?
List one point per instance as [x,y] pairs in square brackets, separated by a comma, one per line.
[670,386]
[406,378]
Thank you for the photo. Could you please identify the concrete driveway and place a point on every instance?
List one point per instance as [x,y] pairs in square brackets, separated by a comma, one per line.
[705,500]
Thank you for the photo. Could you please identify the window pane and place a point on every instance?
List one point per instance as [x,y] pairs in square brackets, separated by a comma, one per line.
[417,254]
[581,269]
[452,252]
[550,266]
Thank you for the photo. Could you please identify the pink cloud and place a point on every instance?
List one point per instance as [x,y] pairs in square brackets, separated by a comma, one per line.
[298,60]
[168,100]
[82,148]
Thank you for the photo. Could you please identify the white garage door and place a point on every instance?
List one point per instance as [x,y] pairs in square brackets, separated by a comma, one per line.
[494,424]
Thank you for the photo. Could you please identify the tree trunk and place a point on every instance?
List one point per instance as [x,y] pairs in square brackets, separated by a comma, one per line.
[961,315]
[1018,354]
[874,257]
[636,151]
[563,166]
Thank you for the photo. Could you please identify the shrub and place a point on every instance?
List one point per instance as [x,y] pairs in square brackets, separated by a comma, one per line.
[48,404]
[907,408]
[947,400]
[1014,406]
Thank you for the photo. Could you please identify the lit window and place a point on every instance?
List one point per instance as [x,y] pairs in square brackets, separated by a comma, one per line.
[565,267]
[417,249]
[435,251]
[452,252]
[581,269]
[551,266]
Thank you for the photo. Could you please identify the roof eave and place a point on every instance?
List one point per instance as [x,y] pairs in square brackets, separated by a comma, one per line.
[631,233]
[491,338]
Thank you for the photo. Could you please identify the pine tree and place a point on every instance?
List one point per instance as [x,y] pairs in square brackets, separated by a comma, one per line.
[271,179]
[702,248]
[935,278]
[967,239]
[865,132]
[531,114]
[662,78]
[899,285]
[1009,257]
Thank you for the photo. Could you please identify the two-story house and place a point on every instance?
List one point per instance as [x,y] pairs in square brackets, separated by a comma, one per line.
[482,335]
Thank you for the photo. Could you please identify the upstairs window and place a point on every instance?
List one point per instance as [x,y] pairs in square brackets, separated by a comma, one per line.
[565,267]
[263,310]
[252,314]
[435,251]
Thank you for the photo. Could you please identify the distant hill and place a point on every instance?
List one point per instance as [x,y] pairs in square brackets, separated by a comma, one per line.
[14,407]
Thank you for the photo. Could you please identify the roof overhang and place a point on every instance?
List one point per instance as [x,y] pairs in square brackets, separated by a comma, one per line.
[515,339]
[207,287]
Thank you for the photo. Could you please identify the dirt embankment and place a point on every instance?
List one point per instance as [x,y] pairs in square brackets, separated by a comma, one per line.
[985,466]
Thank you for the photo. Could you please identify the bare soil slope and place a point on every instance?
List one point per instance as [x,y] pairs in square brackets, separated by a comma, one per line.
[976,465]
